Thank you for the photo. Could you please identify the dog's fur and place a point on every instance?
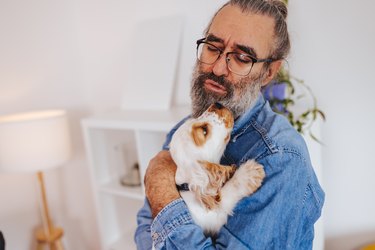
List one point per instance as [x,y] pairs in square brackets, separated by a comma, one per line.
[197,147]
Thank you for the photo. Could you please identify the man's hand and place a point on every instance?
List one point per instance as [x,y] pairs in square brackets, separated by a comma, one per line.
[160,182]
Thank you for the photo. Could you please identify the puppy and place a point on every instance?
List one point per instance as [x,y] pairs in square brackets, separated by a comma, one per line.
[211,190]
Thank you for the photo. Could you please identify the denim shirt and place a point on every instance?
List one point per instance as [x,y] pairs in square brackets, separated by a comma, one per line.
[279,215]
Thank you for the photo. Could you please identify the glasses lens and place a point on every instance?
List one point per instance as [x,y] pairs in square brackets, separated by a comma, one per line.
[239,64]
[207,53]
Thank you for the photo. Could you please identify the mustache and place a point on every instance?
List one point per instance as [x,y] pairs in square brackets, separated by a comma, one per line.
[203,76]
[201,99]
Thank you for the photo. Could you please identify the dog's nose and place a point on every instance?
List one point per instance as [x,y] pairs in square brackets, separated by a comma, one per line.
[218,105]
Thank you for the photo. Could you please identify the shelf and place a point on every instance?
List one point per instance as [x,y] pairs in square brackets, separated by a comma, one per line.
[150,120]
[125,242]
[115,188]
[114,142]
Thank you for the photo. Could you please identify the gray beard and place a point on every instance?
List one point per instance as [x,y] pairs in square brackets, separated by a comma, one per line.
[239,98]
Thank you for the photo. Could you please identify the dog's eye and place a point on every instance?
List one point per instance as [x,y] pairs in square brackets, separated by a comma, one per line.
[205,130]
[201,132]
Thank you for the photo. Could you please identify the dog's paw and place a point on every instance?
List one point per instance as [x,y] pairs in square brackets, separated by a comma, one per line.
[249,176]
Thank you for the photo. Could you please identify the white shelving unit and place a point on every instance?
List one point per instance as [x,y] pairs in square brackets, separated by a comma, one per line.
[114,143]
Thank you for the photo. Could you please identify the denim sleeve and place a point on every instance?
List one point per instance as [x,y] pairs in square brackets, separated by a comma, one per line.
[142,235]
[173,228]
[282,213]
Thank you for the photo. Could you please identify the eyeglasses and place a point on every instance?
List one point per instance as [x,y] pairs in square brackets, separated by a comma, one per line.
[237,63]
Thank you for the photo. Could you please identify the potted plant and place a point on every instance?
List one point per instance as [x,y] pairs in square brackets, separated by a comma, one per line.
[285,92]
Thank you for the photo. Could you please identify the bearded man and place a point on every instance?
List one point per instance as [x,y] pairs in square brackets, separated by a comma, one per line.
[242,50]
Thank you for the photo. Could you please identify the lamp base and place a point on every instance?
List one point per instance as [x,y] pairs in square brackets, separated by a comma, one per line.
[53,239]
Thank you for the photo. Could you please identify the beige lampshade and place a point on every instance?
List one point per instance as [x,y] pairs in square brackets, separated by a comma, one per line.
[34,141]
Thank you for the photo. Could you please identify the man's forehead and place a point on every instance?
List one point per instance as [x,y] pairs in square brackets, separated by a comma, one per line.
[235,27]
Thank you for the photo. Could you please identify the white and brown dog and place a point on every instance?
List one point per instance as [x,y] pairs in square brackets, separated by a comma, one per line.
[209,189]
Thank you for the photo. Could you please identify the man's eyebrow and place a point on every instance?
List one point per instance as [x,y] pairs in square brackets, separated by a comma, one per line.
[247,50]
[213,38]
[244,48]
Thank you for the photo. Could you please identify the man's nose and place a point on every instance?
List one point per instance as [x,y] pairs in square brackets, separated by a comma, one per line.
[220,67]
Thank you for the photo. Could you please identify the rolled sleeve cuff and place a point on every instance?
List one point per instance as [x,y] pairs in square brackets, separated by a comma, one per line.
[174,215]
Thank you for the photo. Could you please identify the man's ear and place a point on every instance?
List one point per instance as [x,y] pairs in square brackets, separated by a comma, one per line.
[272,71]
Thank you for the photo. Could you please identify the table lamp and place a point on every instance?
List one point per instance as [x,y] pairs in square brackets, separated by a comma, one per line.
[34,142]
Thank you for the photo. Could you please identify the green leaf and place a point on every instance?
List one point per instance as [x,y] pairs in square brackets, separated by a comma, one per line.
[321,114]
[304,115]
[303,122]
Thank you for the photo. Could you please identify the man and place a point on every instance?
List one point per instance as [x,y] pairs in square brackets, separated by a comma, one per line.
[2,241]
[242,51]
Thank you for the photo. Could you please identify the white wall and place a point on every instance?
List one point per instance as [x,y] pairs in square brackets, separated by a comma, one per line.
[40,67]
[333,52]
[73,55]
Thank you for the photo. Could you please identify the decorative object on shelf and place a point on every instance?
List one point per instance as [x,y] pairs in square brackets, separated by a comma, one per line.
[283,95]
[132,178]
[34,142]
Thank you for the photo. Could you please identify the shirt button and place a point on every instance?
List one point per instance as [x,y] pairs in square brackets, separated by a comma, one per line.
[155,236]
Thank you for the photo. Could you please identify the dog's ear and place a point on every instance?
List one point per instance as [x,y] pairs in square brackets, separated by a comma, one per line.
[218,175]
[201,132]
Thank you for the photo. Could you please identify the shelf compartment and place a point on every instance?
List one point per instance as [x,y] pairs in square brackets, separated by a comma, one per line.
[113,153]
[117,220]
[114,142]
[126,241]
[115,188]
[148,120]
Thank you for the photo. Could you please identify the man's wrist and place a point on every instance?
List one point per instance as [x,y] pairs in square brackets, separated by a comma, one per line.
[160,182]
[158,205]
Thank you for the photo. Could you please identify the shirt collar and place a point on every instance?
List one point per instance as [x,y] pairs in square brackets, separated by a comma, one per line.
[244,119]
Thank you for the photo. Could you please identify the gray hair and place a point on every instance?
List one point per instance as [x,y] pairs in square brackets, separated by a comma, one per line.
[275,9]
